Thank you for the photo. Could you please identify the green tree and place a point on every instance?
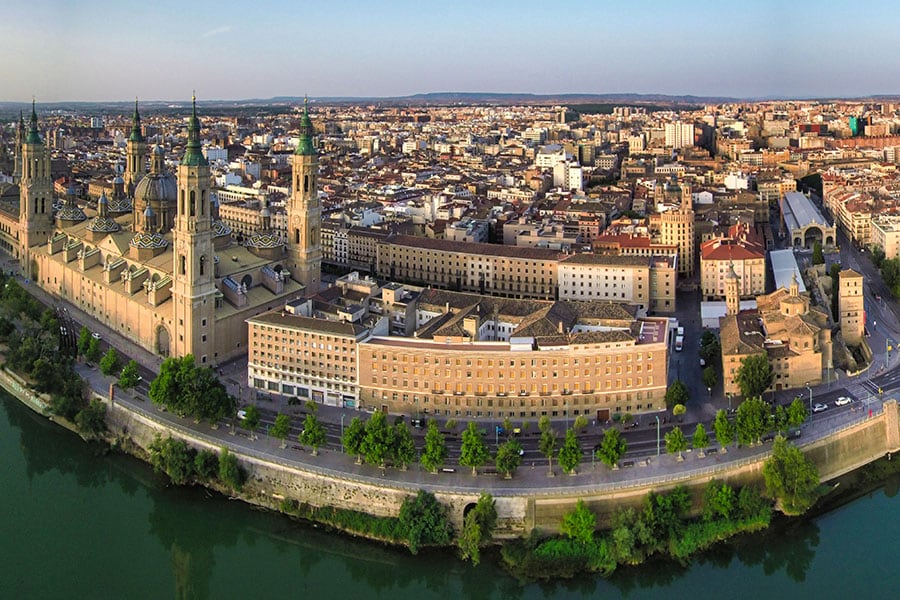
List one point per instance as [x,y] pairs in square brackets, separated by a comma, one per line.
[754,376]
[817,257]
[84,340]
[473,452]
[569,453]
[547,442]
[377,443]
[281,428]
[206,464]
[353,438]
[710,377]
[719,501]
[478,528]
[677,393]
[835,273]
[423,521]
[91,420]
[750,503]
[544,423]
[580,423]
[128,379]
[164,389]
[700,439]
[710,348]
[403,451]
[797,412]
[93,350]
[251,419]
[579,524]
[724,430]
[877,256]
[780,419]
[791,477]
[676,442]
[509,457]
[109,364]
[612,447]
[435,452]
[679,410]
[313,434]
[230,471]
[752,420]
[172,457]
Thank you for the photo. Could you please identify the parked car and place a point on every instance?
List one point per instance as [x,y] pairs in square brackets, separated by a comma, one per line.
[95,335]
[819,407]
[242,414]
[843,401]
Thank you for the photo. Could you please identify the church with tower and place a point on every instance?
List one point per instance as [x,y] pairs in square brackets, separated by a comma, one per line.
[154,262]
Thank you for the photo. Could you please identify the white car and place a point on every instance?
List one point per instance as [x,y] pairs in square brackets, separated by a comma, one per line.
[820,407]
[843,401]
[242,414]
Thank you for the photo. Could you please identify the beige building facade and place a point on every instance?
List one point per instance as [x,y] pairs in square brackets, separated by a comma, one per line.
[156,264]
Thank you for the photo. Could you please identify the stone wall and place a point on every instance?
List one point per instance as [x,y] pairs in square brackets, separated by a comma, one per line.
[519,512]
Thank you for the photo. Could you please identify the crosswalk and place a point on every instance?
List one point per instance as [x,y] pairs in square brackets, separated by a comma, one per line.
[863,389]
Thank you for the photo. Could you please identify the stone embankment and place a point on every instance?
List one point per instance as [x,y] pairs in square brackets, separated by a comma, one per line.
[520,508]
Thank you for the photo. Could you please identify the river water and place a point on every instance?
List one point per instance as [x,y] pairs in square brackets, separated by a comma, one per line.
[79,524]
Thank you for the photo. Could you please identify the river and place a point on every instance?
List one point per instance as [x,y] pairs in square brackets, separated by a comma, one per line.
[78,523]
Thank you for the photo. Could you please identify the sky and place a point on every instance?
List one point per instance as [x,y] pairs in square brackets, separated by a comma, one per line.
[109,50]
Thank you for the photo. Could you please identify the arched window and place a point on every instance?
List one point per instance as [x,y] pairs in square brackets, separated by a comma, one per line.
[183,264]
[296,236]
[193,203]
[181,203]
[202,205]
[202,265]
[305,183]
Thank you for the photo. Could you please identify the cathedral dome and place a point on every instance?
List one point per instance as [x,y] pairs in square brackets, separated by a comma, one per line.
[156,187]
[103,223]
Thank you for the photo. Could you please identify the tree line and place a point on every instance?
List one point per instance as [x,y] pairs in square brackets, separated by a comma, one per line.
[662,525]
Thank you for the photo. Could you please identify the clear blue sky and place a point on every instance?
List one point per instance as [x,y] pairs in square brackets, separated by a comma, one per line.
[60,50]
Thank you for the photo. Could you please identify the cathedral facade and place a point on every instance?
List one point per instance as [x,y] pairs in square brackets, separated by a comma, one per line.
[153,261]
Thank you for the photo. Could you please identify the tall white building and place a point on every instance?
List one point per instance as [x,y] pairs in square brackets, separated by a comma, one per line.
[679,135]
[568,175]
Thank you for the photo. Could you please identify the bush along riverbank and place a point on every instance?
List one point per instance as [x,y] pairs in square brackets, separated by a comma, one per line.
[659,528]
[662,527]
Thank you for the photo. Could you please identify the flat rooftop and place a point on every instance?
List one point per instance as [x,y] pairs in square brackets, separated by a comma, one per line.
[784,267]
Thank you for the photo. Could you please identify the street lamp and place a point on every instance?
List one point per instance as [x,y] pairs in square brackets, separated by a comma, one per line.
[728,394]
[566,405]
[810,395]
[657,435]
[342,432]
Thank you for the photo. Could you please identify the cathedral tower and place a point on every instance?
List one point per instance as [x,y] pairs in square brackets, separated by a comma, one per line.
[194,290]
[304,212]
[35,197]
[135,153]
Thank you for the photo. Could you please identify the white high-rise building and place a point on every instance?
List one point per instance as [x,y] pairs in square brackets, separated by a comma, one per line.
[679,135]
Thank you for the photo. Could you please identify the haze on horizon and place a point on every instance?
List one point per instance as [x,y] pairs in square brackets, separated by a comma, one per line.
[99,51]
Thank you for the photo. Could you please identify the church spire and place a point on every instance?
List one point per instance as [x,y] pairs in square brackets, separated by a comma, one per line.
[136,134]
[33,136]
[193,154]
[305,144]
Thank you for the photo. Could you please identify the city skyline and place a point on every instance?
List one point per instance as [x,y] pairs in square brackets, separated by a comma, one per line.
[90,53]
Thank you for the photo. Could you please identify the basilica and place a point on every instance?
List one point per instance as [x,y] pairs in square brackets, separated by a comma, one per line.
[153,261]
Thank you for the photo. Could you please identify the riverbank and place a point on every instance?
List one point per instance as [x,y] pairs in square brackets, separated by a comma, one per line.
[126,435]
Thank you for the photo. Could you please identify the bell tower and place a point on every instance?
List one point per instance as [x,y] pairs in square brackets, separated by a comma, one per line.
[304,211]
[194,291]
[135,153]
[35,197]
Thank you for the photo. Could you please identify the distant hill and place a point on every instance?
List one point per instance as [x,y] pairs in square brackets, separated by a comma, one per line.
[592,102]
